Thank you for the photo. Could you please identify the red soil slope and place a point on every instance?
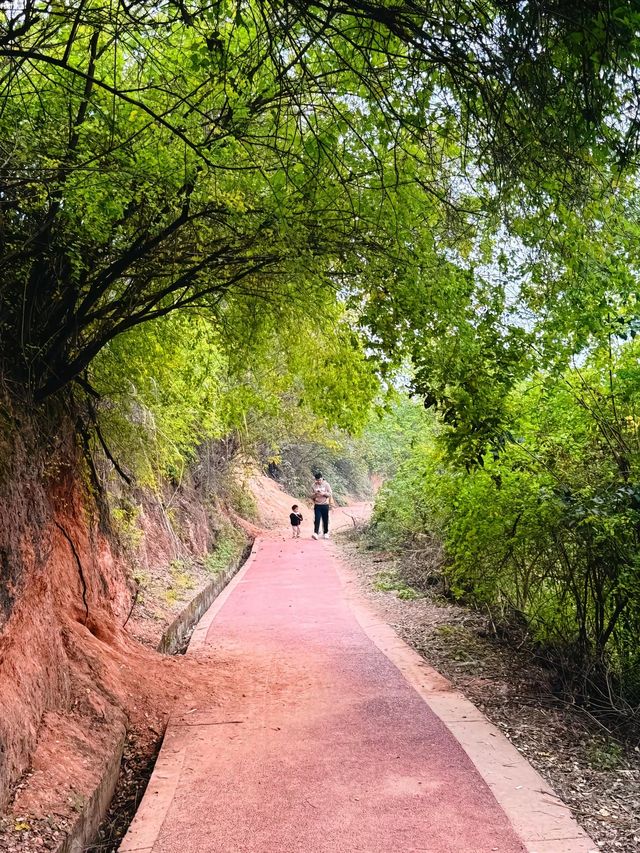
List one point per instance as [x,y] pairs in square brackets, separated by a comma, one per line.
[72,678]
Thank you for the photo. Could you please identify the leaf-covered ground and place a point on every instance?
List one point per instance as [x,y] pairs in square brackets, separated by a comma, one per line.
[597,775]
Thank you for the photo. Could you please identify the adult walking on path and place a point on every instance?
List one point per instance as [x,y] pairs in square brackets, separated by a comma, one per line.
[322,498]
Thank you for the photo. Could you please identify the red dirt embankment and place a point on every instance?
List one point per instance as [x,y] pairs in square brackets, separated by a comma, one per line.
[72,676]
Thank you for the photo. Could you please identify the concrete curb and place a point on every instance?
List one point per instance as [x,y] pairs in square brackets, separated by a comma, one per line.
[539,817]
[174,636]
[199,636]
[152,811]
[96,807]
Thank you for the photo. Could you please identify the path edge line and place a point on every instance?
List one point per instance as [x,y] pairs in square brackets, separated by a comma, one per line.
[176,636]
[199,637]
[152,811]
[542,821]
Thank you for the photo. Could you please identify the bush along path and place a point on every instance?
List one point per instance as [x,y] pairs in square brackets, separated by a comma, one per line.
[323,740]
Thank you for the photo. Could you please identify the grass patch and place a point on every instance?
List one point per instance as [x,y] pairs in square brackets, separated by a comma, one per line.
[605,754]
[229,547]
[392,582]
[125,523]
[180,580]
[242,500]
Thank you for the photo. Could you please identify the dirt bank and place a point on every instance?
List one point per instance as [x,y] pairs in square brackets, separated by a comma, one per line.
[77,660]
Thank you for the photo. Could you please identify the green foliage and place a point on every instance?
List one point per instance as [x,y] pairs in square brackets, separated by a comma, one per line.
[545,533]
[416,498]
[336,454]
[391,432]
[163,161]
[161,390]
[171,169]
[229,546]
[605,754]
[180,581]
[124,517]
[240,498]
[390,581]
[171,384]
[348,462]
[295,369]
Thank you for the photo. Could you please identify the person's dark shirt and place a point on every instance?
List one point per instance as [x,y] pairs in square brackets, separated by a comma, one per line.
[296,518]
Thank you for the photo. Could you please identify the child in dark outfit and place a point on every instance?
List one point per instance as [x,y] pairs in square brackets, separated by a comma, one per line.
[296,518]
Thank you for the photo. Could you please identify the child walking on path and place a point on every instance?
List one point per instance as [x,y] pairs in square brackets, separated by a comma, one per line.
[295,517]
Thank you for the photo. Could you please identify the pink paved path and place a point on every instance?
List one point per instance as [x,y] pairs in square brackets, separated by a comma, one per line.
[322,745]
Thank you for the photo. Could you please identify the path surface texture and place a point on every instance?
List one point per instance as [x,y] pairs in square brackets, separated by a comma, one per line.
[321,744]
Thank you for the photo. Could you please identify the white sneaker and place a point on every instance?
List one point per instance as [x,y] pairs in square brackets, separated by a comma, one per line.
[325,535]
[314,535]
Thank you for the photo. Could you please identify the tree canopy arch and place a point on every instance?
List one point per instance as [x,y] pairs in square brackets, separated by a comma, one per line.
[181,154]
